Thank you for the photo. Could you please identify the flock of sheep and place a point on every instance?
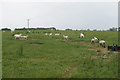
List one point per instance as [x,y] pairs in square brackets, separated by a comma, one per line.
[101,42]
[93,40]
[19,36]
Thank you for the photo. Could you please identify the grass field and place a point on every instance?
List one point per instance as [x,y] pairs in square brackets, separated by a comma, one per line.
[0,54]
[52,57]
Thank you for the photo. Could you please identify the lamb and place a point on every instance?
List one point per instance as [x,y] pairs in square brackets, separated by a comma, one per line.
[82,35]
[50,34]
[29,31]
[94,40]
[46,34]
[57,34]
[17,36]
[102,43]
[65,37]
[23,37]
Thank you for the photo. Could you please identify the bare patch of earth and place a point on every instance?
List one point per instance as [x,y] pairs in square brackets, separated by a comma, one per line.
[33,39]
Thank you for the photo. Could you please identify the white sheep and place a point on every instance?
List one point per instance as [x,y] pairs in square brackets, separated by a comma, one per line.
[23,37]
[17,36]
[50,34]
[29,31]
[102,43]
[94,39]
[65,37]
[57,34]
[46,34]
[82,35]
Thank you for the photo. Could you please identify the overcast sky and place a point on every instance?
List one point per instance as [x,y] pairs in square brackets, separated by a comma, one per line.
[62,15]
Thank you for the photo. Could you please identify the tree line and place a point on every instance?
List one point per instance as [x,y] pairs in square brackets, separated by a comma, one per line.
[52,28]
[7,29]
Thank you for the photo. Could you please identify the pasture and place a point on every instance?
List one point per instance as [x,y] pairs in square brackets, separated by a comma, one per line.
[0,54]
[52,57]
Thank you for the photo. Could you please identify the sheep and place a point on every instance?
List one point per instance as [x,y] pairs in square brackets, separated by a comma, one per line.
[57,34]
[102,43]
[46,34]
[29,31]
[65,37]
[82,35]
[94,39]
[50,34]
[23,37]
[17,36]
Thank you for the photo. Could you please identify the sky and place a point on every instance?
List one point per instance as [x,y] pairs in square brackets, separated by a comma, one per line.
[61,14]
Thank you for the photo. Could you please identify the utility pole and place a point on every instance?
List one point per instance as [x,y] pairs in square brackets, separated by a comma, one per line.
[28,23]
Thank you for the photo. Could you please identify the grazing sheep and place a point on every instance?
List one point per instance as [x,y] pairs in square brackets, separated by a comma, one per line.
[65,37]
[94,40]
[57,34]
[23,37]
[17,36]
[29,31]
[46,34]
[102,43]
[82,35]
[50,34]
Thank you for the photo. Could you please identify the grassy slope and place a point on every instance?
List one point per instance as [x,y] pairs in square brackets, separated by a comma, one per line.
[55,58]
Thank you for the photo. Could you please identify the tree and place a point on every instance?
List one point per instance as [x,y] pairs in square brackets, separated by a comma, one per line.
[6,29]
[52,28]
[88,29]
[68,29]
[113,29]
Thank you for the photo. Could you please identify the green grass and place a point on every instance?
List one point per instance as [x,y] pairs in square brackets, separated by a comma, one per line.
[52,57]
[0,54]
